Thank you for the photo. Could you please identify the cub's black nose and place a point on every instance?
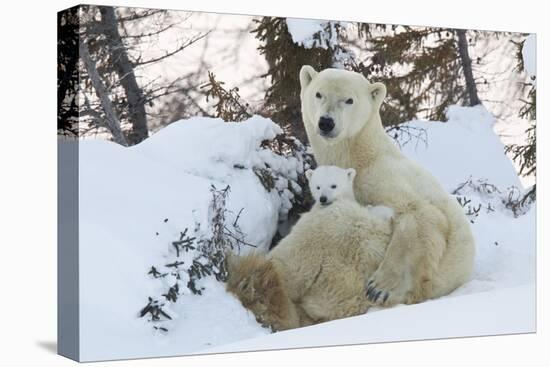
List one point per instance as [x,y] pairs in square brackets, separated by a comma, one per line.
[323,199]
[326,124]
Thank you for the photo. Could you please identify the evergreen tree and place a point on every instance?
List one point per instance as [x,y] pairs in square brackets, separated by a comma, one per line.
[285,58]
[425,69]
[229,106]
[526,154]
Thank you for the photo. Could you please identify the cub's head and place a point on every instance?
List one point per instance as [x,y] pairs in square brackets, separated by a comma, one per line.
[330,183]
[336,104]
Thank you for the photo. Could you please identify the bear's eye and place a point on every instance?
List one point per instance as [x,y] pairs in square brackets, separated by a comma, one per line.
[318,95]
[318,188]
[333,187]
[349,101]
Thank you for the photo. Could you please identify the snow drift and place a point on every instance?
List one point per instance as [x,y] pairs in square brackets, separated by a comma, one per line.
[134,201]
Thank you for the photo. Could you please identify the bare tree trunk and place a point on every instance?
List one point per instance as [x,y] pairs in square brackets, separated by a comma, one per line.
[113,123]
[467,67]
[125,71]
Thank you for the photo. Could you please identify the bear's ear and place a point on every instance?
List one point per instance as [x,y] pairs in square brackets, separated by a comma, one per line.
[351,174]
[307,73]
[308,174]
[378,93]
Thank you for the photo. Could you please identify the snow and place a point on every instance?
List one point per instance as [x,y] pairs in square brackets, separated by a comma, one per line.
[302,30]
[467,147]
[125,196]
[467,315]
[314,32]
[128,195]
[529,53]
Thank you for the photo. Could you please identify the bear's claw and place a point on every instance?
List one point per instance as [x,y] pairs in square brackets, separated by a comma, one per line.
[385,289]
[373,294]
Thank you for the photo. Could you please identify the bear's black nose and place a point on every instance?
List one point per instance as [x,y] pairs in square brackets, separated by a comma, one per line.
[323,199]
[326,124]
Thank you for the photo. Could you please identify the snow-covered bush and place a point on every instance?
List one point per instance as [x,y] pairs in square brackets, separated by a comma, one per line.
[286,175]
[195,256]
[283,171]
[478,196]
[210,186]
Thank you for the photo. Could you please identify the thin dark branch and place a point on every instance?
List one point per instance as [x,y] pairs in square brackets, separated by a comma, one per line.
[151,34]
[172,53]
[137,16]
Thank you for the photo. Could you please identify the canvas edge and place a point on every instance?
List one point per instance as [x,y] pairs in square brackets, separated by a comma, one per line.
[68,313]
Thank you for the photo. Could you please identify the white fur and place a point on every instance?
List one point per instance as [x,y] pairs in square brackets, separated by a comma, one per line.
[317,272]
[432,248]
[330,183]
[333,183]
[381,211]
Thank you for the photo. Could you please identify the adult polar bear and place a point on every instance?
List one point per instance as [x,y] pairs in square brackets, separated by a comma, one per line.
[432,235]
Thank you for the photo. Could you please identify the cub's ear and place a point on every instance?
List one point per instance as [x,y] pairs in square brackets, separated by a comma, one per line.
[308,174]
[307,73]
[351,173]
[378,93]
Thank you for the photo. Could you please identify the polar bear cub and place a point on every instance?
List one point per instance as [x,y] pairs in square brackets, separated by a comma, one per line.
[330,183]
[317,272]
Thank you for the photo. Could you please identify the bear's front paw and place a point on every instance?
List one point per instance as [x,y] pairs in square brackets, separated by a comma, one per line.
[374,294]
[386,290]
